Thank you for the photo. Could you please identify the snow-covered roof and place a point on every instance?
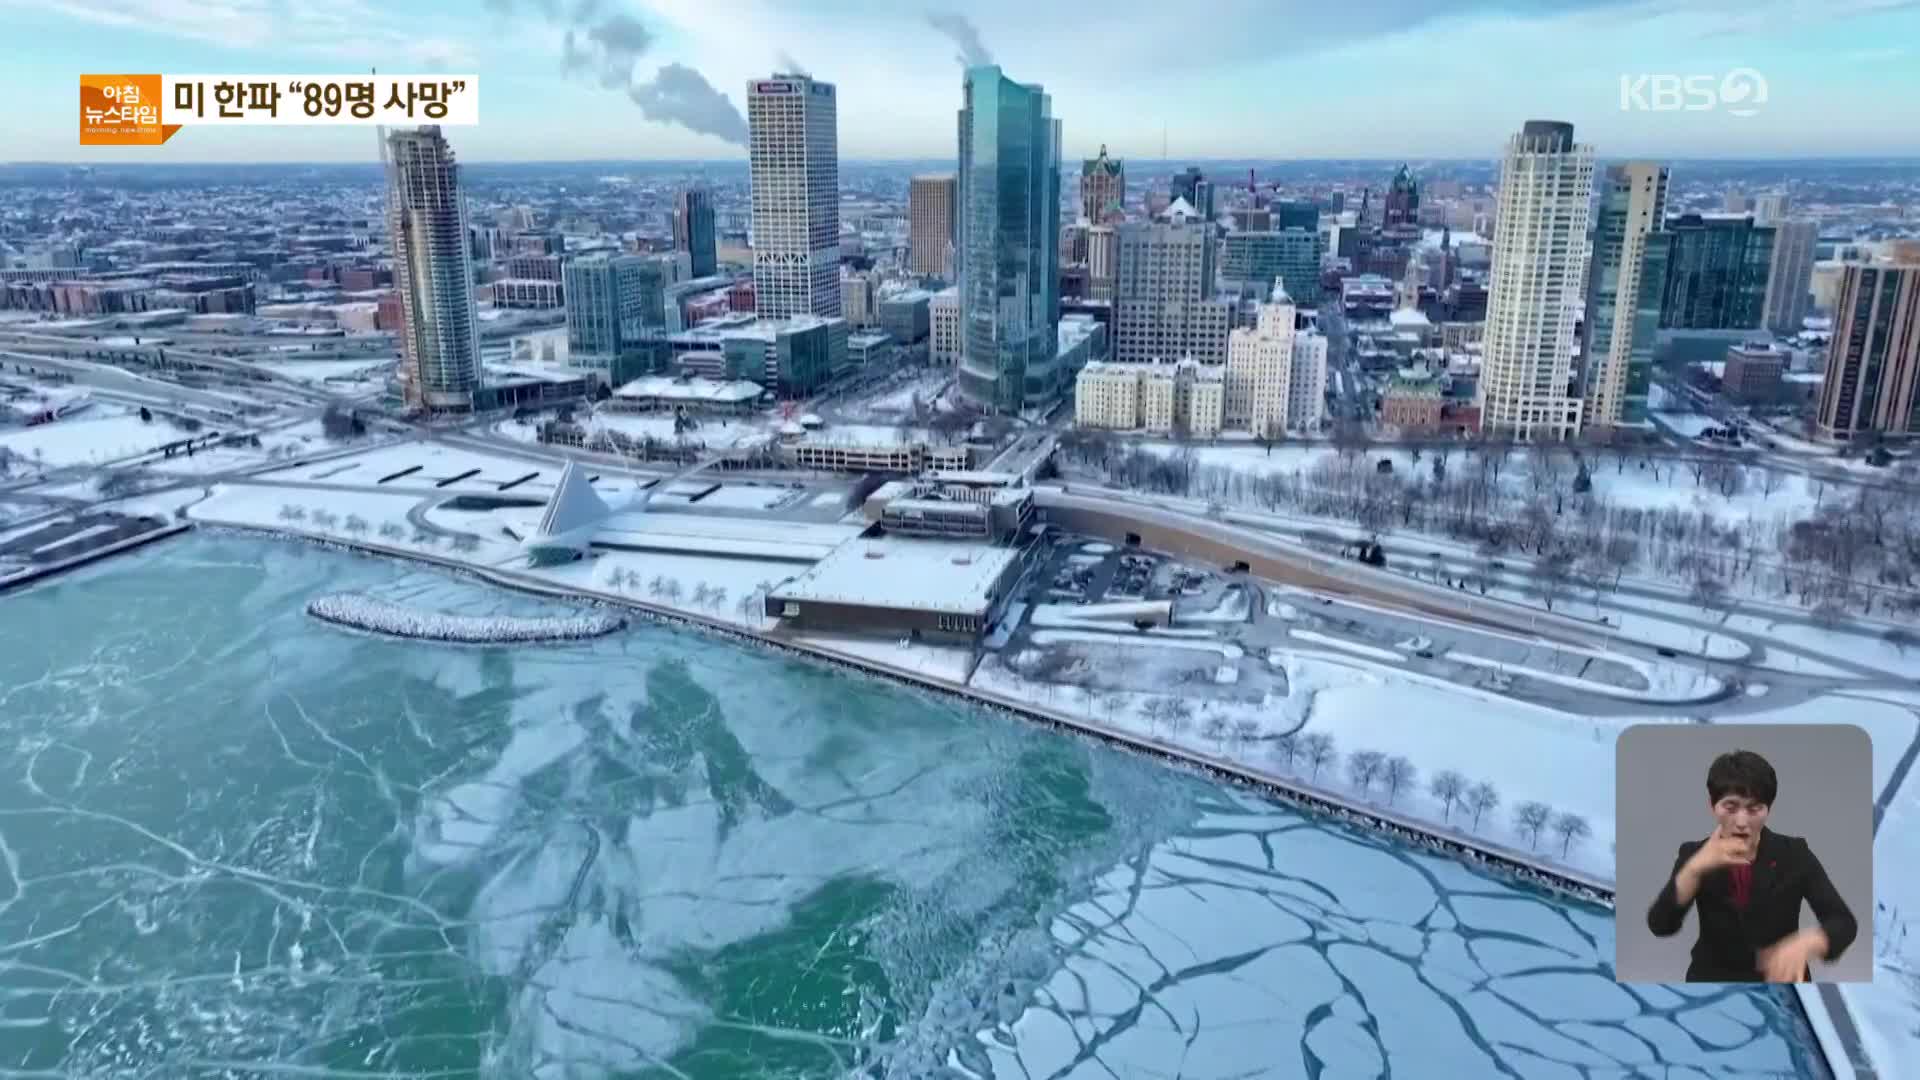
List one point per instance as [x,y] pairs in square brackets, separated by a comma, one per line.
[896,572]
[736,392]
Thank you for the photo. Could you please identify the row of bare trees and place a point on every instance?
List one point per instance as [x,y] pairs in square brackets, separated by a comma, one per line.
[356,527]
[1858,551]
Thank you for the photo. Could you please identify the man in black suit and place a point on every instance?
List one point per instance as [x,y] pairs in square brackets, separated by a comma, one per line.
[1749,882]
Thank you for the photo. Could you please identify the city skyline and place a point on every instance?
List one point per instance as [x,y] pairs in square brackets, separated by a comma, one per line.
[611,86]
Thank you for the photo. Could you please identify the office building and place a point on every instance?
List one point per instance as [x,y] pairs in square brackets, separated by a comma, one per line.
[1103,188]
[1618,350]
[943,327]
[1163,300]
[1103,261]
[1790,276]
[1259,369]
[1402,201]
[1195,189]
[1717,273]
[1293,214]
[611,303]
[794,153]
[856,297]
[1769,209]
[1009,253]
[1307,381]
[1250,261]
[693,231]
[1539,258]
[1752,372]
[432,271]
[930,206]
[1873,362]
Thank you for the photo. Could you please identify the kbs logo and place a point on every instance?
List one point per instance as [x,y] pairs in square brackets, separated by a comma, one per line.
[1740,92]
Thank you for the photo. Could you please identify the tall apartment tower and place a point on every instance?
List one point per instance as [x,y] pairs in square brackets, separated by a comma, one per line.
[1163,304]
[1009,244]
[1260,368]
[1539,259]
[1717,275]
[611,300]
[1790,277]
[1873,364]
[930,203]
[793,147]
[693,230]
[1103,187]
[432,271]
[1618,350]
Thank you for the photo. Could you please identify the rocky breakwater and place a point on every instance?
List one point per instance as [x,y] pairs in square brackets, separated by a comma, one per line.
[359,611]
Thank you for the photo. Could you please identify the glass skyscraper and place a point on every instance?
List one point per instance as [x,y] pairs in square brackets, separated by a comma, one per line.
[1717,273]
[1008,252]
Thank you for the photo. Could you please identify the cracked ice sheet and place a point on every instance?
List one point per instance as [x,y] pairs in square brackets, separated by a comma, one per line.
[1192,962]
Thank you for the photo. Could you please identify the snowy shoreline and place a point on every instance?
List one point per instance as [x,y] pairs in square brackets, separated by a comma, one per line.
[359,611]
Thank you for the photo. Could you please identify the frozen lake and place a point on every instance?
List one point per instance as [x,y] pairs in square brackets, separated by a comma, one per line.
[234,840]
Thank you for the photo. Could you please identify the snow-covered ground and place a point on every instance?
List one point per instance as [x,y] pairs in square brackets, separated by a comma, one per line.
[95,436]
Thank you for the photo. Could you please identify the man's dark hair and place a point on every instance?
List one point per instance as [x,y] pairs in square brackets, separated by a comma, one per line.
[1743,773]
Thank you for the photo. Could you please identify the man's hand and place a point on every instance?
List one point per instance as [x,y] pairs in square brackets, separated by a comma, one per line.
[1787,960]
[1720,849]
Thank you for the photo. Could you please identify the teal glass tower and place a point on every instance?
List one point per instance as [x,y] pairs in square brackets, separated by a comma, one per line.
[1008,255]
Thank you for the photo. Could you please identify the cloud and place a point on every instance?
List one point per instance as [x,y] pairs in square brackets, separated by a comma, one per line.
[788,64]
[973,53]
[680,95]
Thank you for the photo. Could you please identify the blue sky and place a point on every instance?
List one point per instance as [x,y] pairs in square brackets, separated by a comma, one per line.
[1225,78]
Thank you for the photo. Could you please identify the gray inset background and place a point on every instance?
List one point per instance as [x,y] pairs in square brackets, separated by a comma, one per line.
[1660,802]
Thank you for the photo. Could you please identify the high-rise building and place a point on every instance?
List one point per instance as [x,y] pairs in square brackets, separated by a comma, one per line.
[1073,243]
[930,204]
[794,151]
[611,301]
[1769,209]
[432,271]
[1307,381]
[857,297]
[1184,398]
[1539,256]
[1009,250]
[943,327]
[1259,369]
[1717,273]
[1163,299]
[1873,363]
[1294,214]
[1403,200]
[1103,187]
[1790,278]
[1103,261]
[1618,350]
[1193,187]
[1250,261]
[693,230]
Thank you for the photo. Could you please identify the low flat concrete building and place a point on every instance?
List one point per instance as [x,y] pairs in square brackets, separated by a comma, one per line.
[933,590]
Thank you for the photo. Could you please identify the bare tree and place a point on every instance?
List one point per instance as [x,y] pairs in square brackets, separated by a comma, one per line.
[658,586]
[392,530]
[324,519]
[1570,827]
[1619,553]
[1708,591]
[1770,479]
[1363,766]
[1216,728]
[1398,772]
[424,538]
[356,525]
[1529,818]
[699,598]
[1481,798]
[1286,747]
[1317,747]
[1246,729]
[716,598]
[290,512]
[1449,787]
[1113,703]
[1550,574]
[1179,715]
